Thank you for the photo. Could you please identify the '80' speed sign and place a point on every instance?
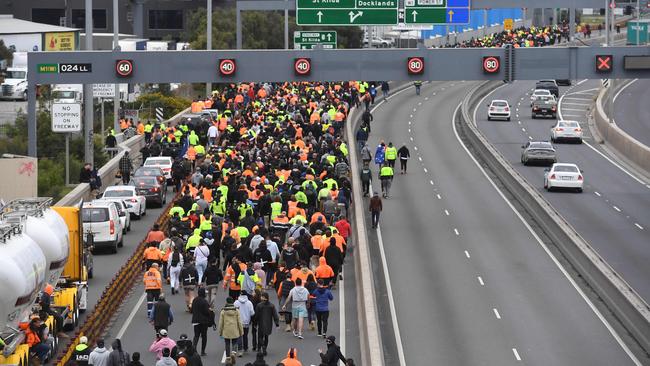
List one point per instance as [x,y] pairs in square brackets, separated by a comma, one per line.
[415,65]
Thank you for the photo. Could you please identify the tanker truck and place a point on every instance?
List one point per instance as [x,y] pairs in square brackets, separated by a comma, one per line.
[40,246]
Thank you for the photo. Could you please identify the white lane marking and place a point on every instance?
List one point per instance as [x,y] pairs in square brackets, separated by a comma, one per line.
[575,103]
[517,115]
[593,308]
[577,98]
[419,103]
[426,98]
[530,137]
[617,209]
[480,280]
[420,158]
[223,358]
[639,226]
[496,313]
[415,109]
[415,148]
[409,130]
[519,122]
[431,182]
[409,122]
[411,138]
[446,212]
[411,115]
[439,197]
[597,194]
[425,170]
[615,163]
[523,129]
[514,350]
[623,88]
[134,311]
[456,231]
[467,254]
[342,315]
[391,300]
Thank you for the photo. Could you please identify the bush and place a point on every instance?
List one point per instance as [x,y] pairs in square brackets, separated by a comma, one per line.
[147,104]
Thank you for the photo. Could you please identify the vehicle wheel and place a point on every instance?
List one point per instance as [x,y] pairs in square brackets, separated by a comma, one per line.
[489,118]
[123,231]
[508,119]
[114,248]
[137,217]
[579,141]
[533,116]
[25,95]
[164,202]
[128,228]
[121,243]
[579,190]
[90,273]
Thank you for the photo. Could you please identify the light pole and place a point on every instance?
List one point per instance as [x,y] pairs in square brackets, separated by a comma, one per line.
[88,91]
[638,21]
[208,86]
[116,43]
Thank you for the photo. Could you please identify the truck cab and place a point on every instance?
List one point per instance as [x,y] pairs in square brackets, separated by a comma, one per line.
[15,84]
[67,93]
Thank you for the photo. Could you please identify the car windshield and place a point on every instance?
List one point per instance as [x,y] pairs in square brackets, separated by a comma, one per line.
[148,172]
[94,214]
[540,146]
[499,104]
[565,168]
[16,74]
[568,124]
[545,98]
[145,181]
[118,193]
[155,162]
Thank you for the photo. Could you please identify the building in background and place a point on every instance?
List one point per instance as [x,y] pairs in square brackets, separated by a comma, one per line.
[152,19]
[25,36]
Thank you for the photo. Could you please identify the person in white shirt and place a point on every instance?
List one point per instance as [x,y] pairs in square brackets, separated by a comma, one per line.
[246,313]
[201,254]
[213,134]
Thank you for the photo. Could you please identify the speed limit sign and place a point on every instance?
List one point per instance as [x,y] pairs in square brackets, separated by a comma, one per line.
[302,66]
[491,64]
[124,68]
[227,66]
[415,65]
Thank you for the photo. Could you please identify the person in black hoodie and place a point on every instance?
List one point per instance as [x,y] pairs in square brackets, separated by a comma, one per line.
[202,319]
[118,357]
[334,258]
[266,316]
[263,255]
[189,279]
[333,354]
[212,277]
[193,358]
[135,359]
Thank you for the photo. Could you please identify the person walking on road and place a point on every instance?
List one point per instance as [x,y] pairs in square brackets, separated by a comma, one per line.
[230,325]
[404,156]
[298,297]
[161,342]
[202,319]
[385,90]
[366,178]
[375,209]
[189,280]
[99,356]
[246,312]
[212,278]
[366,154]
[322,296]
[166,359]
[418,85]
[118,357]
[81,352]
[333,353]
[152,286]
[201,254]
[386,176]
[366,118]
[380,153]
[362,136]
[161,314]
[265,316]
[126,167]
[391,155]
[174,266]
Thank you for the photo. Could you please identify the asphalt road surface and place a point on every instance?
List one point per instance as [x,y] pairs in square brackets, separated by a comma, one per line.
[472,285]
[612,212]
[632,112]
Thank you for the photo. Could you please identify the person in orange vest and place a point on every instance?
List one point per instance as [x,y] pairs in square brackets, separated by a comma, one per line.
[140,128]
[155,235]
[230,279]
[36,345]
[292,358]
[152,286]
[324,271]
[317,242]
[152,254]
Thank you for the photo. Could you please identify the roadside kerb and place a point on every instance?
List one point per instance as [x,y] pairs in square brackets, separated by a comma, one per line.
[622,143]
[112,296]
[620,298]
[109,170]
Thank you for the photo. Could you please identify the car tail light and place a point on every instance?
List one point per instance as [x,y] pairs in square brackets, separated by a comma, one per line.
[134,200]
[154,189]
[580,177]
[492,109]
[559,129]
[553,108]
[535,108]
[506,109]
[112,227]
[166,169]
[552,176]
[577,129]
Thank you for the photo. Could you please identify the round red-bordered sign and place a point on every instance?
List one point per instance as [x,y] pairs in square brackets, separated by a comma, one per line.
[491,64]
[415,65]
[302,66]
[124,68]
[227,66]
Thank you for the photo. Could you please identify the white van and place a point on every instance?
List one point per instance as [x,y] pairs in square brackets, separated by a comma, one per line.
[102,219]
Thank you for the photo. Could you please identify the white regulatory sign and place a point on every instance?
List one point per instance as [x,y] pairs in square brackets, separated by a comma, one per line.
[66,117]
[103,90]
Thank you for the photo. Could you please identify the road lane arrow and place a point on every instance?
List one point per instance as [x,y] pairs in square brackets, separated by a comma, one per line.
[320,16]
[354,16]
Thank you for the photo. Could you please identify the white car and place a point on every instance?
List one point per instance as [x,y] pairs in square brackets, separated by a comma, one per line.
[498,109]
[566,130]
[123,211]
[563,175]
[129,195]
[164,163]
[540,93]
[101,219]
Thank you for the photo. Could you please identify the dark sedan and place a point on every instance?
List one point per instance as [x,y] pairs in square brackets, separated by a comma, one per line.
[152,171]
[151,189]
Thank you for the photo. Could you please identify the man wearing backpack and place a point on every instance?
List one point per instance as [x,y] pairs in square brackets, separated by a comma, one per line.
[174,267]
[298,296]
[189,279]
[248,280]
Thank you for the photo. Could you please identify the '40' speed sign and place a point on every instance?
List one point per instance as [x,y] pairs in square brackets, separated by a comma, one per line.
[302,66]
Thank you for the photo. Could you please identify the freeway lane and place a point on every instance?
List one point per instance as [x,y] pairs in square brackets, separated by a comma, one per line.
[472,286]
[632,113]
[612,213]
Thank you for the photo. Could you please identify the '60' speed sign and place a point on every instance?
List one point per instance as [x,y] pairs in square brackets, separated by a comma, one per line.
[124,68]
[415,65]
[302,66]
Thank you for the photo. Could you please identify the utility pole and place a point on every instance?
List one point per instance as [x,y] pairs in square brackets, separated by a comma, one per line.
[208,86]
[286,27]
[116,43]
[88,92]
[638,21]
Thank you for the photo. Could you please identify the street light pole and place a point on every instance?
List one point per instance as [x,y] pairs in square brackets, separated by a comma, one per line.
[638,21]
[208,86]
[116,43]
[88,92]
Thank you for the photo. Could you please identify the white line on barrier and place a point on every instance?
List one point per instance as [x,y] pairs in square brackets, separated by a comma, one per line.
[456,231]
[446,212]
[496,313]
[480,280]
[639,226]
[467,254]
[514,350]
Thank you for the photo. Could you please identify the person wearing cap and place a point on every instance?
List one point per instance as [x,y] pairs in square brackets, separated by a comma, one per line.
[99,356]
[161,342]
[375,209]
[333,353]
[162,315]
[182,344]
[230,325]
[202,319]
[81,352]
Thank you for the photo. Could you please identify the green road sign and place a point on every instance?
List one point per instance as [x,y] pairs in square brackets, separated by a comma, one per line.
[48,68]
[436,11]
[342,17]
[306,40]
[347,12]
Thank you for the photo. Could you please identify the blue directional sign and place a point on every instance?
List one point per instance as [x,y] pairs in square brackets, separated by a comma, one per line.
[442,12]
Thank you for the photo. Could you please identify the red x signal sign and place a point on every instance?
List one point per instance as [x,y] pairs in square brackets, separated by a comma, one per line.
[604,63]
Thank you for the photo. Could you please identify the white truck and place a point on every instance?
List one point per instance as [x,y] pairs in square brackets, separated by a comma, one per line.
[14,85]
[67,93]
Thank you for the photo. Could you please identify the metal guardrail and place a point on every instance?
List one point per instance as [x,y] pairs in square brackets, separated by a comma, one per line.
[112,296]
[620,298]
